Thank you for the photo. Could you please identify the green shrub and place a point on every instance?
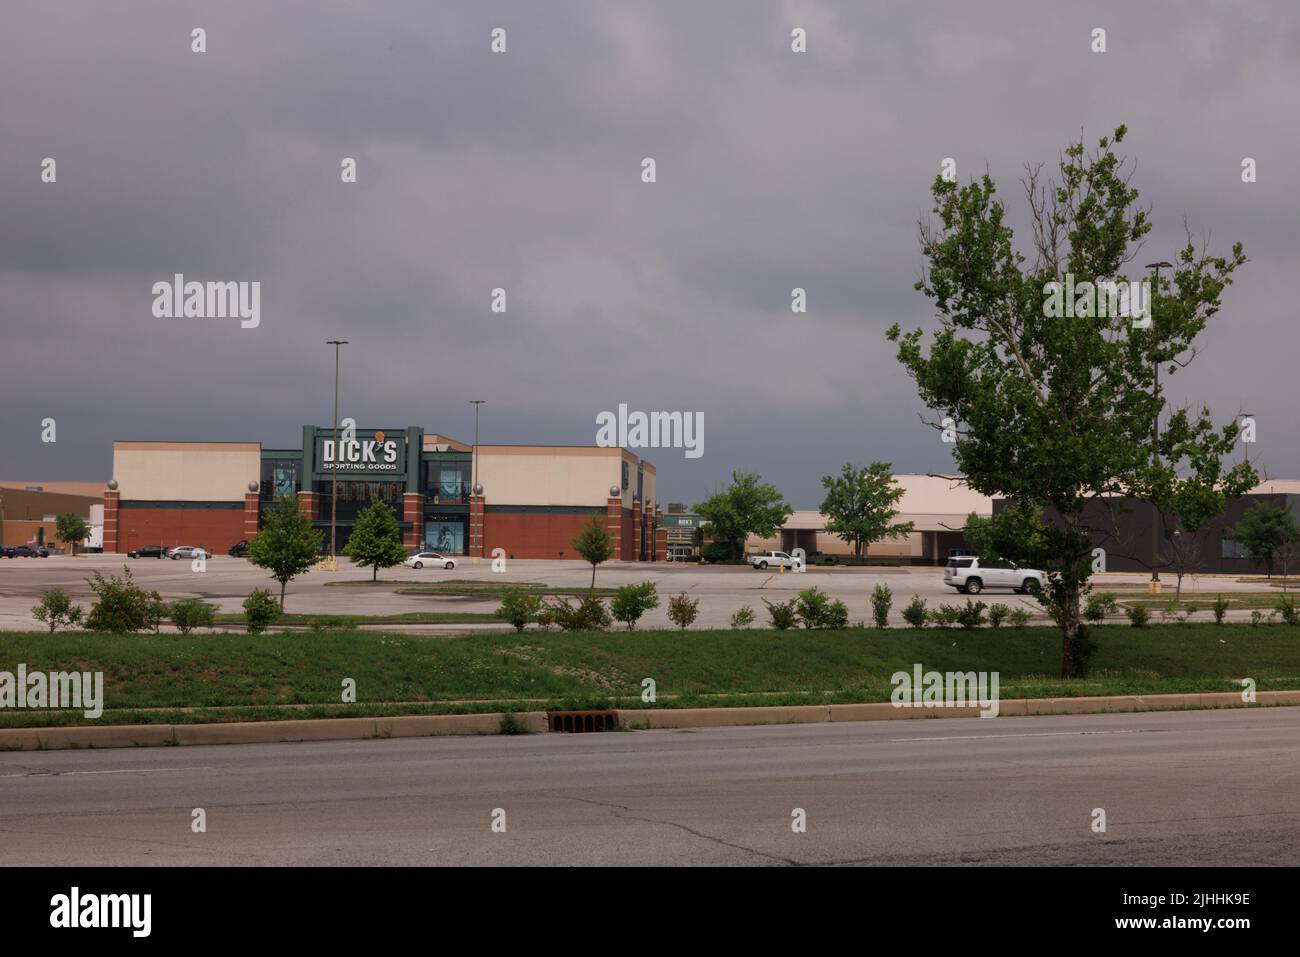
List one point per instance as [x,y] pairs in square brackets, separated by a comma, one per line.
[971,615]
[56,609]
[1287,608]
[915,614]
[714,552]
[836,616]
[1138,615]
[590,614]
[260,610]
[190,613]
[633,601]
[1220,608]
[682,610]
[1099,606]
[1019,617]
[882,600]
[743,618]
[945,616]
[121,607]
[518,607]
[784,614]
[811,605]
[510,724]
[997,614]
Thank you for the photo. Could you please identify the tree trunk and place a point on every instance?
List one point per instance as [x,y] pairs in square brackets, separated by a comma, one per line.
[282,584]
[375,576]
[1069,612]
[593,576]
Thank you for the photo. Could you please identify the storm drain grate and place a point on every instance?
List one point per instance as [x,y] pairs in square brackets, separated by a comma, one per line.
[577,722]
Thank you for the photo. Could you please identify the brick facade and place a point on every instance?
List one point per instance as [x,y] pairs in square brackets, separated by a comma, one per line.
[531,535]
[413,512]
[251,524]
[614,523]
[215,529]
[476,526]
[111,502]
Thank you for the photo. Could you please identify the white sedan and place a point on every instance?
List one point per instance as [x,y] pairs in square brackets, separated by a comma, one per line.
[420,559]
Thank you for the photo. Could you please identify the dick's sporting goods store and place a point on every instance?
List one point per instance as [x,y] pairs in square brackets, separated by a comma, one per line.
[531,501]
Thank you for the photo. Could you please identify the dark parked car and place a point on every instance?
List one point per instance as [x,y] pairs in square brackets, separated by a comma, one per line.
[6,551]
[239,549]
[31,551]
[147,551]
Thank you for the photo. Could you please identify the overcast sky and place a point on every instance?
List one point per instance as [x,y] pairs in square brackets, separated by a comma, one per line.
[522,171]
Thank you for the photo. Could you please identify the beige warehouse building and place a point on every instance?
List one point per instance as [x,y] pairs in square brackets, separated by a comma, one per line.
[937,507]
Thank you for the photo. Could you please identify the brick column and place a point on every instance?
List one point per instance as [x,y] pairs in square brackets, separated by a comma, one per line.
[308,504]
[413,512]
[636,531]
[250,515]
[476,522]
[614,524]
[111,499]
[658,551]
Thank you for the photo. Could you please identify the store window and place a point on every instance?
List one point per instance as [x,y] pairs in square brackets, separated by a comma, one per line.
[446,536]
[447,482]
[1233,549]
[279,477]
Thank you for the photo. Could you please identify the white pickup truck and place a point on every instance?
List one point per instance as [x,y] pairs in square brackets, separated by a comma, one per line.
[970,577]
[774,559]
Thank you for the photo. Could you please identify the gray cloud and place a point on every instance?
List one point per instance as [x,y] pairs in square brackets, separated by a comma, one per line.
[522,171]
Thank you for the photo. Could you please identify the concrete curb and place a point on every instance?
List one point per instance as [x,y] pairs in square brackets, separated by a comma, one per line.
[535,722]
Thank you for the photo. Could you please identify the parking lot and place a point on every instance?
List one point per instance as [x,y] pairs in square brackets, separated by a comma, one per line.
[721,590]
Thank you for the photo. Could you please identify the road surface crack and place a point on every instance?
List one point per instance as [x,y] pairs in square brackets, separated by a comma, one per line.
[625,813]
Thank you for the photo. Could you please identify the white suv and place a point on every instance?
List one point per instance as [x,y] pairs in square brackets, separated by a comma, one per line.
[970,577]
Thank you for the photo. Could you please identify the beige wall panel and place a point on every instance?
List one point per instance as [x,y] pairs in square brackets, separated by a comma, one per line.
[186,471]
[519,475]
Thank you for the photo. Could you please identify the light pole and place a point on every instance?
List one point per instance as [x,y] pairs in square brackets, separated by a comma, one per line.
[334,468]
[1155,423]
[475,491]
[1244,443]
[476,403]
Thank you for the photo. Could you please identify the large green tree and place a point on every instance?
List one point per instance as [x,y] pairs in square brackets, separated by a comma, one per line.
[1057,412]
[1264,531]
[859,505]
[749,506]
[376,540]
[287,544]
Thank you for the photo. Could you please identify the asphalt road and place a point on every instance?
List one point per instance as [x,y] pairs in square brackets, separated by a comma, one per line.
[1195,788]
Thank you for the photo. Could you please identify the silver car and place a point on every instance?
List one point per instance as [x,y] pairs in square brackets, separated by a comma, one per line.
[188,551]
